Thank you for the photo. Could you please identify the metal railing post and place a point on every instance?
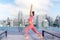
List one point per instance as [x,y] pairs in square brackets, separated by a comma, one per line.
[6,33]
[42,33]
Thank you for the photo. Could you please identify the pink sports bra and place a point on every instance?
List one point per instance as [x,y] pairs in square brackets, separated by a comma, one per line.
[30,18]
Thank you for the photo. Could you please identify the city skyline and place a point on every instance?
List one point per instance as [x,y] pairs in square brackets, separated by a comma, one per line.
[10,8]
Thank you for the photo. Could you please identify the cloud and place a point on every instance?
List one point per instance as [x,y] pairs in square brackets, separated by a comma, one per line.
[8,10]
[56,0]
[41,5]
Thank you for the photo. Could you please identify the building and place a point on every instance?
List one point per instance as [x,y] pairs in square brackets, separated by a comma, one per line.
[20,17]
[15,22]
[50,20]
[57,21]
[45,23]
[39,19]
[11,23]
[8,22]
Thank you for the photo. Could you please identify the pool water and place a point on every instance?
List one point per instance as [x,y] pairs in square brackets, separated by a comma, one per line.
[56,29]
[10,30]
[15,29]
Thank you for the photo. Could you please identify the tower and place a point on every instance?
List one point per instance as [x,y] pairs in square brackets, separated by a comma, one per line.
[20,15]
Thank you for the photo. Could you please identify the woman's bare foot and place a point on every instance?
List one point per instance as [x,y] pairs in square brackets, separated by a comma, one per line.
[40,36]
[26,38]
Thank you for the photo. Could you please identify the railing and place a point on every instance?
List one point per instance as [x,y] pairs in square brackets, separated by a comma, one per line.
[5,32]
[58,36]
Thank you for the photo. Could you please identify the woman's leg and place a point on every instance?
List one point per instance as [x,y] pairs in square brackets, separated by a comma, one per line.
[39,35]
[26,32]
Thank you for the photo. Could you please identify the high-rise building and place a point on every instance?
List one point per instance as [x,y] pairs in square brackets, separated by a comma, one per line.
[11,23]
[37,22]
[50,20]
[45,23]
[20,17]
[57,21]
[15,22]
[8,21]
[39,19]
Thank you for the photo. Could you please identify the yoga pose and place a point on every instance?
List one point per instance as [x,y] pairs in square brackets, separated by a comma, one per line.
[31,26]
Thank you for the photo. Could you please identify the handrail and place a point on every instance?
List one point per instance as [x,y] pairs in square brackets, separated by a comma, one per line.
[49,33]
[3,33]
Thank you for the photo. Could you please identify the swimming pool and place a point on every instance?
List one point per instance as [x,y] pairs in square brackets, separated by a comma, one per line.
[15,29]
[56,29]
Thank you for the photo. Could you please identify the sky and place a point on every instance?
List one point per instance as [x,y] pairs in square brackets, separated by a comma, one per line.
[11,8]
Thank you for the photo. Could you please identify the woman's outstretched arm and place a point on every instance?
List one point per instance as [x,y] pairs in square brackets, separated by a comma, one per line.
[31,10]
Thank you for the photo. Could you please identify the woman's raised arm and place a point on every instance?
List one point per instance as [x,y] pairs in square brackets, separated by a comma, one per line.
[31,10]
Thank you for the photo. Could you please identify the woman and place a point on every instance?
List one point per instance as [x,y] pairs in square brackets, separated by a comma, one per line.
[31,26]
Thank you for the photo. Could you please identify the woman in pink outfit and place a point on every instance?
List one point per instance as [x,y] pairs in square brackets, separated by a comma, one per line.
[31,26]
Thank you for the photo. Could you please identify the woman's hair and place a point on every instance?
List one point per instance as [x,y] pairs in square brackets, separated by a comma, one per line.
[33,13]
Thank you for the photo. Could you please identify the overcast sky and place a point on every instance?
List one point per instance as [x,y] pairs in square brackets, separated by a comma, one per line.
[10,8]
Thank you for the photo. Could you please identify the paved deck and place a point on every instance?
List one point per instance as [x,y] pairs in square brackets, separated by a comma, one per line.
[16,35]
[32,36]
[21,37]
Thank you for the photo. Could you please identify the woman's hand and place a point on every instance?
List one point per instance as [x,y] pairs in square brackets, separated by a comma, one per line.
[31,10]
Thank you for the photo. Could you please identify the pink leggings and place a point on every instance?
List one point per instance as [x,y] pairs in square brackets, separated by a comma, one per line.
[32,28]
